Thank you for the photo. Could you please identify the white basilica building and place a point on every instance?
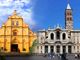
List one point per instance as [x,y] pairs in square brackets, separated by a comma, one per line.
[58,40]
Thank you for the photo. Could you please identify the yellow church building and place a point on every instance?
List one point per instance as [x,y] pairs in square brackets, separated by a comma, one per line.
[15,35]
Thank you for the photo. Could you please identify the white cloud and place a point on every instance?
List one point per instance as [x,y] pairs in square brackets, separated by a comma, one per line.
[23,7]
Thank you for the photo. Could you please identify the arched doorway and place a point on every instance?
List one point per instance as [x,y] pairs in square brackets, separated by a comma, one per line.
[46,49]
[69,49]
[58,49]
[51,49]
[14,47]
[64,49]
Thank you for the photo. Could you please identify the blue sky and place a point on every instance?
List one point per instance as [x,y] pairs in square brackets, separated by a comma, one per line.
[49,13]
[23,7]
[41,14]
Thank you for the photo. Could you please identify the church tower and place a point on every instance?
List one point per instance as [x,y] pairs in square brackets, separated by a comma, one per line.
[68,18]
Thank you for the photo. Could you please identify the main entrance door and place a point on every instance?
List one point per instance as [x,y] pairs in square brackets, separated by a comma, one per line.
[58,49]
[51,49]
[69,49]
[64,49]
[14,47]
[46,49]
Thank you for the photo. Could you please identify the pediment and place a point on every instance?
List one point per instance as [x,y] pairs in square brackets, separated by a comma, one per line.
[45,42]
[69,43]
[57,29]
[58,42]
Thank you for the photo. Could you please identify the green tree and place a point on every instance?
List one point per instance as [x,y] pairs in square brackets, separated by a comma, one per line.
[2,57]
[33,46]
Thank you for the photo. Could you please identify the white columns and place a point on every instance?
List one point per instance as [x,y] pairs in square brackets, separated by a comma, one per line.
[55,49]
[49,49]
[76,49]
[73,50]
[43,49]
[66,49]
[61,49]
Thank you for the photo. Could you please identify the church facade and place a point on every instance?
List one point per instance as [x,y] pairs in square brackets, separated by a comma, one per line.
[58,40]
[15,35]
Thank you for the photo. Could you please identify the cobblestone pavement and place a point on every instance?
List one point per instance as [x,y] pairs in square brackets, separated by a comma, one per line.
[69,57]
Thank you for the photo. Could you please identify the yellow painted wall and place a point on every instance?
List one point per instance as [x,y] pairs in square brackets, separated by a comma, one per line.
[23,38]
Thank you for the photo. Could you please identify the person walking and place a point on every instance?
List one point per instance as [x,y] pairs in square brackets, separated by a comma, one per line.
[51,55]
[63,56]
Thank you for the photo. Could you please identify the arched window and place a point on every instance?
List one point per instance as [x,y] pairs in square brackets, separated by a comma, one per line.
[70,13]
[12,23]
[67,18]
[70,18]
[57,35]
[14,32]
[67,13]
[17,23]
[24,49]
[52,36]
[64,36]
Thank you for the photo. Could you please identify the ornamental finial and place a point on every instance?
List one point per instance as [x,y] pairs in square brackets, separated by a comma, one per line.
[14,13]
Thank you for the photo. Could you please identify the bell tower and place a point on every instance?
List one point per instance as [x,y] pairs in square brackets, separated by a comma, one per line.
[68,18]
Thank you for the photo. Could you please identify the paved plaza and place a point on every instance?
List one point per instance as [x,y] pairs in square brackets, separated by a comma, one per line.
[69,57]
